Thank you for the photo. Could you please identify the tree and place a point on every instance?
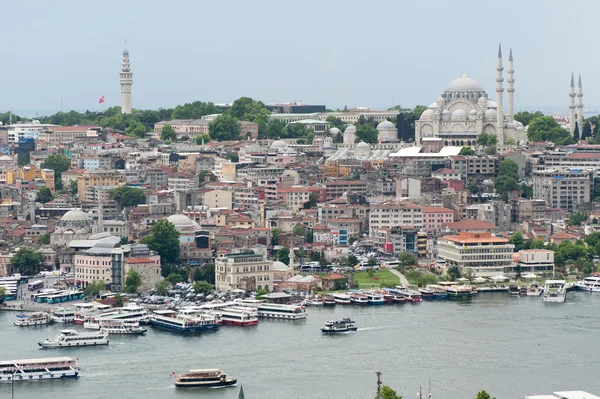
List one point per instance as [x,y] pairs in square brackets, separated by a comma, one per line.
[517,240]
[577,218]
[246,109]
[202,286]
[195,110]
[509,168]
[232,157]
[274,129]
[94,288]
[587,131]
[490,150]
[576,132]
[283,255]
[483,395]
[133,281]
[388,393]
[163,239]
[127,196]
[2,294]
[27,261]
[44,195]
[406,260]
[352,260]
[313,199]
[510,141]
[261,292]
[525,117]
[310,137]
[44,239]
[367,133]
[136,129]
[453,273]
[57,163]
[506,180]
[545,128]
[205,272]
[275,232]
[203,138]
[168,133]
[473,187]
[466,150]
[538,243]
[162,287]
[526,191]
[224,127]
[174,278]
[119,301]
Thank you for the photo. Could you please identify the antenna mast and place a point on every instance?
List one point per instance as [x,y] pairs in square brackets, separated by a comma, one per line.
[378,373]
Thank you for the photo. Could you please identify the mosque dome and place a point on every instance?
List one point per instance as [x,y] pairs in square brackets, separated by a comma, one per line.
[492,104]
[334,130]
[350,129]
[277,265]
[427,114]
[520,128]
[446,114]
[463,85]
[482,101]
[459,115]
[434,105]
[440,101]
[490,114]
[277,144]
[75,215]
[181,221]
[362,144]
[473,112]
[479,114]
[386,125]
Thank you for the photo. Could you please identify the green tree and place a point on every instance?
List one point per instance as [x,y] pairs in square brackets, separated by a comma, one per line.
[490,150]
[576,132]
[44,195]
[367,133]
[195,110]
[352,260]
[473,187]
[310,137]
[283,255]
[44,239]
[136,129]
[517,240]
[483,395]
[526,191]
[202,286]
[406,260]
[133,281]
[275,233]
[246,109]
[587,131]
[2,294]
[274,129]
[127,196]
[547,129]
[119,301]
[205,272]
[224,127]
[27,261]
[94,288]
[168,133]
[577,218]
[162,287]
[261,292]
[538,243]
[506,180]
[335,121]
[232,157]
[482,139]
[163,239]
[313,199]
[453,273]
[466,150]
[525,117]
[510,141]
[388,393]
[174,278]
[57,163]
[203,138]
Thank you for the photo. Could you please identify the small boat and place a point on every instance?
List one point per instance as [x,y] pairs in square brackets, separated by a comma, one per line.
[374,298]
[513,290]
[209,378]
[399,298]
[438,292]
[64,315]
[523,290]
[555,291]
[50,368]
[459,292]
[33,319]
[590,284]
[329,301]
[427,293]
[412,295]
[359,299]
[388,299]
[339,326]
[71,338]
[123,329]
[534,290]
[341,299]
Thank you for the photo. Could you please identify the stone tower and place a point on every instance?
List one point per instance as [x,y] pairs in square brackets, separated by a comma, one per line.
[572,106]
[126,82]
[511,88]
[499,94]
[580,106]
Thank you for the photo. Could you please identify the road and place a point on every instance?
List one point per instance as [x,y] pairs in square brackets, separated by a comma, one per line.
[403,280]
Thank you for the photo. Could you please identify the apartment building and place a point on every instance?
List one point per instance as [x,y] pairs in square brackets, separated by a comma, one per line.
[336,188]
[396,240]
[576,160]
[435,217]
[97,177]
[393,214]
[563,188]
[296,197]
[245,270]
[536,261]
[475,167]
[30,177]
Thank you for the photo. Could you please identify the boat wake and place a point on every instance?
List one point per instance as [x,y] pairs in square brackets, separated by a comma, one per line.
[374,328]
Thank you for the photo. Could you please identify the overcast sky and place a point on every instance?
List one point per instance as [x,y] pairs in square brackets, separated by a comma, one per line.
[356,53]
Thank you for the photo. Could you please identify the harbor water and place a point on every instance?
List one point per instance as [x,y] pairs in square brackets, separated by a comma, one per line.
[510,346]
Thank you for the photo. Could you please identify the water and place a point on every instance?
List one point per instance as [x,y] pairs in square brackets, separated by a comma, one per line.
[511,347]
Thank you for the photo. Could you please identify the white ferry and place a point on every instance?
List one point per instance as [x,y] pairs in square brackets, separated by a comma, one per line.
[555,291]
[38,369]
[591,284]
[359,299]
[239,316]
[210,378]
[281,311]
[64,315]
[71,338]
[339,326]
[99,323]
[124,329]
[342,299]
[171,320]
[84,310]
[375,298]
[33,319]
[136,313]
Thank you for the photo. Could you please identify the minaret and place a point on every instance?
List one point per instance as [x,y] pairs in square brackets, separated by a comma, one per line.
[126,81]
[511,88]
[572,106]
[100,225]
[580,106]
[499,94]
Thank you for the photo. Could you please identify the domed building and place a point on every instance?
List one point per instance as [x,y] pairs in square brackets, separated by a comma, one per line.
[185,226]
[362,150]
[73,225]
[349,136]
[386,131]
[464,111]
[277,144]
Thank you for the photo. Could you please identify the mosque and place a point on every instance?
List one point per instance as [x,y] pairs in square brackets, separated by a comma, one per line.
[464,111]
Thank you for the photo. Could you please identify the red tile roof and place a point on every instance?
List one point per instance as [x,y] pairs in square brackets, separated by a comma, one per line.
[563,236]
[470,224]
[435,209]
[474,238]
[138,260]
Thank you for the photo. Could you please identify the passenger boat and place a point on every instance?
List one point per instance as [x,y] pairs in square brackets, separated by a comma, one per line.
[399,298]
[123,329]
[591,284]
[412,295]
[459,292]
[339,326]
[71,338]
[388,298]
[513,290]
[85,310]
[523,290]
[93,323]
[427,293]
[63,315]
[329,300]
[374,298]
[136,313]
[342,299]
[534,290]
[438,292]
[171,320]
[50,368]
[555,291]
[33,319]
[239,316]
[359,299]
[281,311]
[209,378]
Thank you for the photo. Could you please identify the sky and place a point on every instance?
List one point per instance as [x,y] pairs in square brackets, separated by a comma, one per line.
[356,53]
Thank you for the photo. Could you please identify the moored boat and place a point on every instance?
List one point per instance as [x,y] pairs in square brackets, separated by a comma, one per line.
[329,301]
[427,293]
[459,292]
[590,284]
[534,289]
[412,295]
[38,369]
[281,311]
[513,290]
[171,320]
[438,292]
[208,378]
[124,330]
[72,338]
[63,315]
[239,316]
[359,299]
[555,291]
[339,326]
[374,298]
[341,299]
[523,290]
[33,319]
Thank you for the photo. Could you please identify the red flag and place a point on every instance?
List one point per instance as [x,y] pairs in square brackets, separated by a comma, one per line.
[101,100]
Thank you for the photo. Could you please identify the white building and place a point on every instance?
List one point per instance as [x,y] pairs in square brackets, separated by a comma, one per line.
[536,261]
[563,188]
[246,270]
[392,214]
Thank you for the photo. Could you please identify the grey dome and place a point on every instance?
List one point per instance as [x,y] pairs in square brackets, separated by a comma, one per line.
[482,101]
[386,125]
[334,130]
[362,144]
[440,101]
[181,221]
[427,114]
[350,129]
[490,114]
[75,215]
[278,144]
[463,84]
[459,114]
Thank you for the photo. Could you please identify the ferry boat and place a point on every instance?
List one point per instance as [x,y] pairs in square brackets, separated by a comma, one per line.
[64,315]
[281,311]
[171,320]
[427,293]
[374,298]
[50,368]
[239,316]
[513,290]
[459,292]
[71,338]
[97,323]
[136,313]
[341,299]
[85,310]
[591,284]
[438,292]
[359,299]
[555,291]
[209,378]
[534,290]
[33,319]
[329,300]
[123,329]
[412,295]
[388,298]
[339,326]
